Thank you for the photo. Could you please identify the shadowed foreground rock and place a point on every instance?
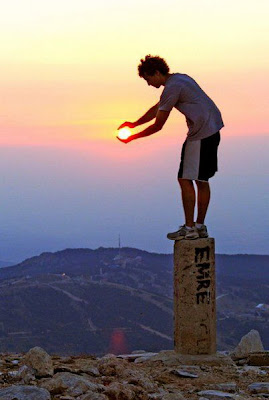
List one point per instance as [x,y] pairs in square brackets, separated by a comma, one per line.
[24,393]
[40,361]
[162,376]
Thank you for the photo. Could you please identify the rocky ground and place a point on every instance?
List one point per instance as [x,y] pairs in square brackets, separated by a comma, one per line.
[138,376]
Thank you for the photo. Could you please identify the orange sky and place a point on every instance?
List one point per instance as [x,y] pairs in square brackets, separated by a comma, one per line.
[69,69]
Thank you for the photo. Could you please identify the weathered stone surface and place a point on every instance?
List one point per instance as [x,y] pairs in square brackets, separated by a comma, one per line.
[259,387]
[225,387]
[183,374]
[194,294]
[250,371]
[151,380]
[250,343]
[92,371]
[259,359]
[92,396]
[138,379]
[118,391]
[171,358]
[40,361]
[25,374]
[216,395]
[74,385]
[173,396]
[111,366]
[24,392]
[143,359]
[133,356]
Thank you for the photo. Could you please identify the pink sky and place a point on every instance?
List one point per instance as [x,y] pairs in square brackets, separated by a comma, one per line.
[69,78]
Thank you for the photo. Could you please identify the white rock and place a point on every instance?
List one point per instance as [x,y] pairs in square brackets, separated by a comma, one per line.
[250,343]
[183,374]
[216,395]
[133,356]
[138,351]
[40,361]
[259,387]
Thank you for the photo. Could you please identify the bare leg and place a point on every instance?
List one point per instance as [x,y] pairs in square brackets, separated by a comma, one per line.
[203,200]
[188,200]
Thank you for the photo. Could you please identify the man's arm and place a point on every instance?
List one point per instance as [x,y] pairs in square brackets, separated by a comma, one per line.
[148,116]
[160,120]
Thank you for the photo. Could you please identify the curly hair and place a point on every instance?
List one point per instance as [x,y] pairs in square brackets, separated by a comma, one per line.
[151,64]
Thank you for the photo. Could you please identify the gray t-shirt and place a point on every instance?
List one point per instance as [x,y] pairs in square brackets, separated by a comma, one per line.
[202,115]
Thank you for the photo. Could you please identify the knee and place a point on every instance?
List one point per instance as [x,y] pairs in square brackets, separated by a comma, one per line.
[202,184]
[185,182]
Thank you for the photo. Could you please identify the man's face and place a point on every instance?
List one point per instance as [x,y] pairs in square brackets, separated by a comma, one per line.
[155,80]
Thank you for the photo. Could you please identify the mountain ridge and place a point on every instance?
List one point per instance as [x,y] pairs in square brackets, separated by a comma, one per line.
[76,300]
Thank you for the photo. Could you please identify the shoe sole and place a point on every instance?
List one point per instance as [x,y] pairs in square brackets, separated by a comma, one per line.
[177,238]
[184,238]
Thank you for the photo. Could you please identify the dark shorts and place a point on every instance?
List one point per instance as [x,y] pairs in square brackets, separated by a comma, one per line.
[199,158]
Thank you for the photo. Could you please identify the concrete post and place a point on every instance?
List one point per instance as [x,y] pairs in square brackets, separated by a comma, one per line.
[194,296]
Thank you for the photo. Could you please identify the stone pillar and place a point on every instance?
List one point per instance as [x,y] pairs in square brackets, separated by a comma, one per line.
[194,296]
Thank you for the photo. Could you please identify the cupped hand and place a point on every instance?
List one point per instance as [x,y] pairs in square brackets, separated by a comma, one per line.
[127,124]
[129,139]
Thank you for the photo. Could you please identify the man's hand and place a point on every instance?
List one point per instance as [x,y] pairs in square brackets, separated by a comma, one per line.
[127,124]
[129,139]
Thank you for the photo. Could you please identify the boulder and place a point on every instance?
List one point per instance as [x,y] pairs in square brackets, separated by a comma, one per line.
[250,343]
[71,384]
[40,361]
[24,392]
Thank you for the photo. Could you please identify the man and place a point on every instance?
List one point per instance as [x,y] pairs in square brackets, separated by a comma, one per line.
[199,151]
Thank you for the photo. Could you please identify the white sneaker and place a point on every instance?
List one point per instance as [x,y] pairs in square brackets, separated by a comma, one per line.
[184,233]
[202,231]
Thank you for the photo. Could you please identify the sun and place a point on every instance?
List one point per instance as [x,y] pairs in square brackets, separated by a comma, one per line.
[124,133]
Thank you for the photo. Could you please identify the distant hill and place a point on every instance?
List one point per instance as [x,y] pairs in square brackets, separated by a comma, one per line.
[78,300]
[5,264]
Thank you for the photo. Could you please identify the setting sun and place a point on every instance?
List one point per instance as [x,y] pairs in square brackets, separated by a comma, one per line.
[124,133]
